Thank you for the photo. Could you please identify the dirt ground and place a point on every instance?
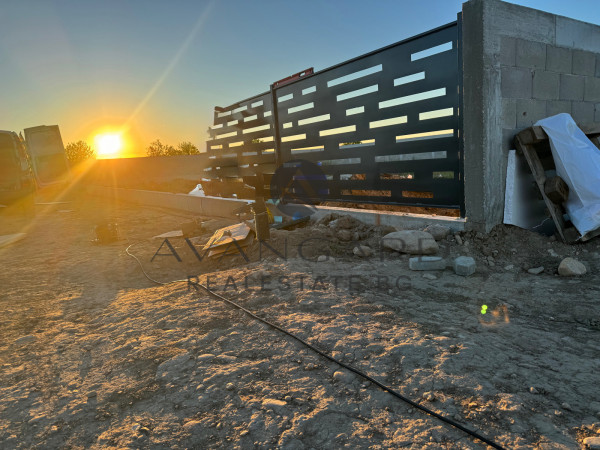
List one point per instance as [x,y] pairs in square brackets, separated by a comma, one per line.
[94,355]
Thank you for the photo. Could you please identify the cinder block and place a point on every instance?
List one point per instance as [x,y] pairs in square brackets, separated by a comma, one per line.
[531,54]
[464,266]
[516,82]
[592,89]
[571,87]
[530,111]
[559,59]
[508,138]
[509,113]
[556,107]
[584,63]
[583,112]
[545,85]
[427,263]
[508,51]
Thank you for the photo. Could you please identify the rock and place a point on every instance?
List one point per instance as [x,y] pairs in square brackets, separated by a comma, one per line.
[272,403]
[429,276]
[205,357]
[26,340]
[592,443]
[429,396]
[533,390]
[552,253]
[323,258]
[345,235]
[464,266]
[509,267]
[566,406]
[343,376]
[458,239]
[426,263]
[363,250]
[438,232]
[413,242]
[570,267]
[536,270]
[230,386]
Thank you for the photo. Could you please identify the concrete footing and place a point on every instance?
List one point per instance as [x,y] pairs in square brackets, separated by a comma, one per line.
[226,207]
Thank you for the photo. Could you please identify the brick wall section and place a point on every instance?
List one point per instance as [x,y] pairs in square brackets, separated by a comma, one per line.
[540,80]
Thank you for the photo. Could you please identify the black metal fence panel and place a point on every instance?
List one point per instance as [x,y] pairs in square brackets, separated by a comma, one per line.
[383,127]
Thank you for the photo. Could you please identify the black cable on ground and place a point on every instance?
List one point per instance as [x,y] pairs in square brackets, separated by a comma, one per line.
[384,387]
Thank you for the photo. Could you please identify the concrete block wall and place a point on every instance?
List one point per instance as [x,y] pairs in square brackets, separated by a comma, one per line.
[520,65]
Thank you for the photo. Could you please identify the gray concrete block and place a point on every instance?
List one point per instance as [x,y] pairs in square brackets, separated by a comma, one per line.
[583,112]
[556,107]
[508,51]
[559,59]
[530,111]
[464,266]
[545,85]
[509,113]
[531,54]
[427,263]
[516,82]
[576,34]
[571,87]
[592,89]
[508,138]
[584,63]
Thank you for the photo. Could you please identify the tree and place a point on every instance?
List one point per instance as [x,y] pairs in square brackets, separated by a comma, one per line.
[157,148]
[187,148]
[78,152]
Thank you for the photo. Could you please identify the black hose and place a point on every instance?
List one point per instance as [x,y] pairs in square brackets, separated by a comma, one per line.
[330,358]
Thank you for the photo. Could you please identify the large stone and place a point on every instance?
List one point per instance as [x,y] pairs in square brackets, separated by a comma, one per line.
[464,266]
[413,242]
[426,263]
[570,267]
[438,232]
[25,340]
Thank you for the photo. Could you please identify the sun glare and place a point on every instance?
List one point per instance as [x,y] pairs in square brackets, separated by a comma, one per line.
[108,145]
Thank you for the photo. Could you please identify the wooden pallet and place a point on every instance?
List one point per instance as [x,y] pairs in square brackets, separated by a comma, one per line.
[534,144]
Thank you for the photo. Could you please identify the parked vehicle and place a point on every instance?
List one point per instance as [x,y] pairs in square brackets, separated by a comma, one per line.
[49,162]
[17,182]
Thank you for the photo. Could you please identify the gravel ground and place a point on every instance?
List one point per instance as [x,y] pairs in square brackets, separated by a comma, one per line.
[94,355]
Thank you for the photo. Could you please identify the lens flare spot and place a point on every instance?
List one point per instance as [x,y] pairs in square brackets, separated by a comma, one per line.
[483,309]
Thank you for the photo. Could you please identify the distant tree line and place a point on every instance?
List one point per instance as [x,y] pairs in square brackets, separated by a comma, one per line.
[157,148]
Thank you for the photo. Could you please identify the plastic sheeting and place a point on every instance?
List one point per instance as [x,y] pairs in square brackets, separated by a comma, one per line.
[577,162]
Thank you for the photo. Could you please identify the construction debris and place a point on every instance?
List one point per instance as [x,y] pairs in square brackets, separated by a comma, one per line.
[228,240]
[464,266]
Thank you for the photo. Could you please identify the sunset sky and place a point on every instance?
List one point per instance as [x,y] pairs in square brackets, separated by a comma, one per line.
[159,67]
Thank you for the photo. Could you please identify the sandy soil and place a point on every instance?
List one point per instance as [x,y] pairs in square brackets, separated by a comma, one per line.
[93,355]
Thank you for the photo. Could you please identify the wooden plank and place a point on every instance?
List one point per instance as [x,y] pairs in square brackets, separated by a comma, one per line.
[532,135]
[556,190]
[540,178]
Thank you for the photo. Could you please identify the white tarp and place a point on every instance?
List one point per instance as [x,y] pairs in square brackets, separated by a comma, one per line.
[523,206]
[197,191]
[577,162]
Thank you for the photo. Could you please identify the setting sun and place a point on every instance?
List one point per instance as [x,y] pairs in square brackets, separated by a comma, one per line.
[108,145]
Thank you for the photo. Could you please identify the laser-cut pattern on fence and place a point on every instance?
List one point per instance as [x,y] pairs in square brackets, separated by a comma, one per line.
[384,127]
